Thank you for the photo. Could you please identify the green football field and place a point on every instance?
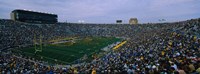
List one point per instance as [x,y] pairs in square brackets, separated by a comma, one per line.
[68,52]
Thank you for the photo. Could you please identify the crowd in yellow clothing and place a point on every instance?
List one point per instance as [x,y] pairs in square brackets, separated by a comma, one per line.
[119,45]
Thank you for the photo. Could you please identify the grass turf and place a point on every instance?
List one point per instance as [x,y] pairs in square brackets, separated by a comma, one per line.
[69,52]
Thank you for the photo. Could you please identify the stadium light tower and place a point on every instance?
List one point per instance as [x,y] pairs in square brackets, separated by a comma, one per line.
[161,20]
[81,21]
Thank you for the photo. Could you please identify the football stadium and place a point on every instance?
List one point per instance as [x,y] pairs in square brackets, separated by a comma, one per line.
[35,42]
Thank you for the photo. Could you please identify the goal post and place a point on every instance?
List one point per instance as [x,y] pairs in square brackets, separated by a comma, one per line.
[38,46]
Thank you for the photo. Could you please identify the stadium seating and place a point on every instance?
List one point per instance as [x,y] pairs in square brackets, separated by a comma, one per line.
[150,49]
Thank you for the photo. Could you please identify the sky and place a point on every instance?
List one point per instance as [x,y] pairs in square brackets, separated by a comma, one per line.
[108,11]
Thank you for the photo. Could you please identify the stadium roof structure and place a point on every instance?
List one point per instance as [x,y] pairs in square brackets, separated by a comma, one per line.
[33,11]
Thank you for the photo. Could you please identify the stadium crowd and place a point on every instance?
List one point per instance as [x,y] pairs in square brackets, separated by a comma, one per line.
[165,48]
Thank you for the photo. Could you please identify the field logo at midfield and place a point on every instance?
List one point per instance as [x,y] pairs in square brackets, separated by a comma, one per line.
[38,49]
[63,41]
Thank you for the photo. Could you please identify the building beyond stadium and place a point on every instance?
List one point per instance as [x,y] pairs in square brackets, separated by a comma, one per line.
[133,21]
[33,16]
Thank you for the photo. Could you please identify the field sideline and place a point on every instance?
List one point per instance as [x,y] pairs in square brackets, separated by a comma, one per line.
[68,52]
